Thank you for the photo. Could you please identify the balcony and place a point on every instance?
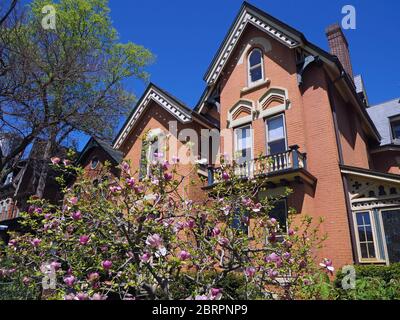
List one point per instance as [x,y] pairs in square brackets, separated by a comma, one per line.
[280,168]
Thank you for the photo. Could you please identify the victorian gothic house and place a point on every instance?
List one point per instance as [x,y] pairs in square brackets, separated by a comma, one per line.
[287,99]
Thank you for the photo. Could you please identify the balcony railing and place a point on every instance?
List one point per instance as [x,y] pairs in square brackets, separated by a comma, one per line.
[274,164]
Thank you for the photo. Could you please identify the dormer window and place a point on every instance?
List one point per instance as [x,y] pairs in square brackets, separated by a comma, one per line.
[94,163]
[395,124]
[256,67]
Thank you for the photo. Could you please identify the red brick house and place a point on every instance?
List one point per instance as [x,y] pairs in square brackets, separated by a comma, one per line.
[278,95]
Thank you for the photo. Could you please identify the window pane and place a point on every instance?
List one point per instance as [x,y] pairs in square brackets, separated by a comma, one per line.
[368,232]
[279,212]
[243,144]
[362,234]
[364,251]
[255,58]
[256,74]
[277,147]
[396,129]
[275,129]
[371,250]
[391,224]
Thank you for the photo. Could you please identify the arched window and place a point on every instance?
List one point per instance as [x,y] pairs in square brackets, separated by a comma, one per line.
[94,163]
[256,66]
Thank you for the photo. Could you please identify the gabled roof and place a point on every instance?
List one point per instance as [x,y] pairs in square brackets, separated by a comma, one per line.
[167,101]
[249,14]
[115,155]
[285,34]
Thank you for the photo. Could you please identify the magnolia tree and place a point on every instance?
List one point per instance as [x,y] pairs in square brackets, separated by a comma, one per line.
[125,238]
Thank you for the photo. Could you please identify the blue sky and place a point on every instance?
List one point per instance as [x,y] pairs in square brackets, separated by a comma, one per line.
[185,35]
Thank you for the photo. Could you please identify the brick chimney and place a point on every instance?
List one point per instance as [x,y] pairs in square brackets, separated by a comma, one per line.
[339,47]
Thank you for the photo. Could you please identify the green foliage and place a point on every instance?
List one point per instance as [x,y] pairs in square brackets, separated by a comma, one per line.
[372,283]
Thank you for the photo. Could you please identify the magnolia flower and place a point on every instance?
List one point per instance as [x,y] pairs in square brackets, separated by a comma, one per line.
[201,298]
[107,264]
[145,257]
[47,216]
[215,292]
[226,210]
[12,243]
[130,182]
[291,232]
[26,281]
[69,297]
[165,165]
[66,162]
[73,200]
[77,215]
[184,255]
[246,202]
[168,176]
[115,189]
[178,226]
[155,181]
[175,159]
[273,273]
[257,208]
[154,241]
[83,240]
[55,160]
[250,272]
[98,297]
[93,277]
[190,224]
[225,176]
[273,257]
[82,296]
[223,241]
[36,242]
[138,189]
[38,210]
[328,265]
[69,281]
[158,155]
[287,255]
[55,265]
[126,167]
[216,232]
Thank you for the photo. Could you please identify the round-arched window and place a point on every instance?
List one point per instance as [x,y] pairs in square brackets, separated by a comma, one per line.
[256,66]
[94,163]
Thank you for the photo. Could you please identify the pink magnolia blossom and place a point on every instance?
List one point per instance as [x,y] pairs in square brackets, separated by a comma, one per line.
[115,189]
[328,265]
[250,272]
[93,277]
[184,255]
[66,162]
[38,210]
[223,241]
[69,281]
[225,176]
[26,281]
[98,297]
[145,257]
[287,255]
[273,257]
[257,208]
[165,165]
[55,160]
[130,182]
[291,232]
[83,240]
[73,201]
[36,242]
[55,265]
[168,176]
[226,210]
[77,215]
[273,273]
[216,232]
[215,291]
[247,202]
[82,296]
[190,224]
[154,241]
[107,264]
[126,167]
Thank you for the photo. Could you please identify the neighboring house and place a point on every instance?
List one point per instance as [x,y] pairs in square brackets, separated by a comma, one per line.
[94,156]
[386,117]
[21,184]
[282,97]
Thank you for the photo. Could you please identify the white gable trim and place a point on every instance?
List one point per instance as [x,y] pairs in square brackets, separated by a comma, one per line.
[153,95]
[248,16]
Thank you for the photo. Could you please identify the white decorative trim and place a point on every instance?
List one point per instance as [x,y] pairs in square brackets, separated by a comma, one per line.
[233,123]
[157,96]
[264,43]
[247,17]
[370,176]
[275,91]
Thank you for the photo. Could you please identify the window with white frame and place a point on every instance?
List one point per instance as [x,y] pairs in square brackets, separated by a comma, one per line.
[276,135]
[243,144]
[391,235]
[365,236]
[256,67]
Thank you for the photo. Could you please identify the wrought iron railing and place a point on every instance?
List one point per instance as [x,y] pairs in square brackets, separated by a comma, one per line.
[281,162]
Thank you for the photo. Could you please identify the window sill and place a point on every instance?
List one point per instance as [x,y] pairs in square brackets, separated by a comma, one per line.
[373,262]
[256,86]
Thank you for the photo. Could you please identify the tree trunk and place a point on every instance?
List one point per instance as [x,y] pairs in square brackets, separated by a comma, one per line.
[44,167]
